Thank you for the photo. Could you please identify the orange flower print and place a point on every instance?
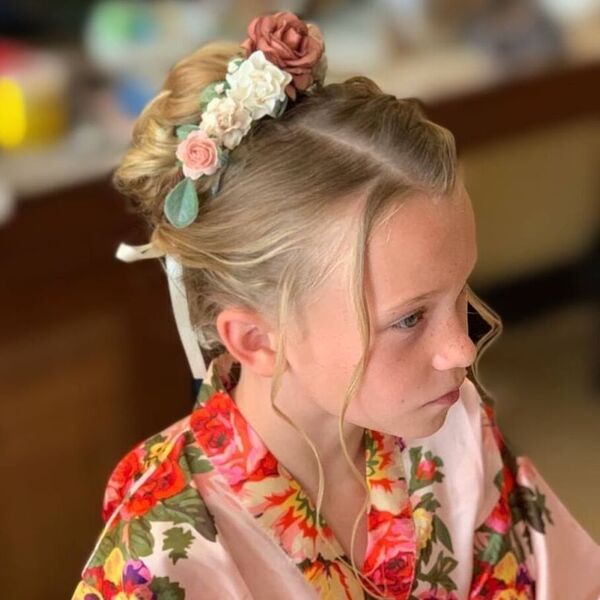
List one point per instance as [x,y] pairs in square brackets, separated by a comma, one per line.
[332,580]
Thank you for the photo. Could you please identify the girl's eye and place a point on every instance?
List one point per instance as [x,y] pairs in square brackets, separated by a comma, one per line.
[409,322]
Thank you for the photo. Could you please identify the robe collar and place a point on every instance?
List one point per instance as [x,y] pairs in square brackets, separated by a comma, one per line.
[284,510]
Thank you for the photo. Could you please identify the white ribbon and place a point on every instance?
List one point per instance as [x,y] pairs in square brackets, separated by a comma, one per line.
[181,310]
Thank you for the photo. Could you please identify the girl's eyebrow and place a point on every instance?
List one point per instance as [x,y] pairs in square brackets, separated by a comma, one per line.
[409,301]
[421,297]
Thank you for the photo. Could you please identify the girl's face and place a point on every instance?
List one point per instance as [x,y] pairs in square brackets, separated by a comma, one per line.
[417,265]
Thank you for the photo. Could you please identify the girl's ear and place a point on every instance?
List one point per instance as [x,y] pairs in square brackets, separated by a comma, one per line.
[248,338]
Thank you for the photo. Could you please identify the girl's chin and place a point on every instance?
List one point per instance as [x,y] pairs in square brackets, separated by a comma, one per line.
[423,429]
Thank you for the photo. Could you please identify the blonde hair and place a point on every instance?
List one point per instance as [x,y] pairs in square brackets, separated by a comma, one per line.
[273,233]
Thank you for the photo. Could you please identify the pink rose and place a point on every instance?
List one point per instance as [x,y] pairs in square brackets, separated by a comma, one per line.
[199,154]
[426,469]
[290,44]
[499,519]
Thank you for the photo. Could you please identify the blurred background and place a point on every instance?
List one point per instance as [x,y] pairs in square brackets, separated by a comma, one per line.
[90,359]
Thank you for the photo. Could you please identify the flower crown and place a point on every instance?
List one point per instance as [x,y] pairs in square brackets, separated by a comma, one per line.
[282,56]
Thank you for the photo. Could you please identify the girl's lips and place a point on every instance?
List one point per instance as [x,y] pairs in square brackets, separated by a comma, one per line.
[447,399]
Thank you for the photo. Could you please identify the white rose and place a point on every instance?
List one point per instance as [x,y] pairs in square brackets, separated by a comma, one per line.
[226,120]
[258,85]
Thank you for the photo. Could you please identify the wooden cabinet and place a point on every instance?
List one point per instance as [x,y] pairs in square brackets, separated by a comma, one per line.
[90,364]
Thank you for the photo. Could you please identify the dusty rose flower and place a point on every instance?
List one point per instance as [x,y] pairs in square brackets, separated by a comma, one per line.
[199,154]
[289,43]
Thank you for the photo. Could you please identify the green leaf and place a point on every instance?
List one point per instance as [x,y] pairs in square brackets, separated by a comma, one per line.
[534,506]
[280,108]
[415,459]
[197,461]
[186,507]
[165,589]
[104,549]
[140,542]
[184,130]
[439,572]
[446,564]
[181,204]
[499,479]
[207,94]
[493,549]
[206,391]
[442,532]
[178,541]
[428,502]
[426,552]
[155,439]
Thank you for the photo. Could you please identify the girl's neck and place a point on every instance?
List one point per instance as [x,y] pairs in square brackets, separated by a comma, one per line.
[252,397]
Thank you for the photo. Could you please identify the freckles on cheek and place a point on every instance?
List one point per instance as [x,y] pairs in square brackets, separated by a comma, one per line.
[390,383]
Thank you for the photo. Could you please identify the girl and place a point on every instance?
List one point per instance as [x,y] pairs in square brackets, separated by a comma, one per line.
[340,445]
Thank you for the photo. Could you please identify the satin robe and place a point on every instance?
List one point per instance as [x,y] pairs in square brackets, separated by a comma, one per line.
[204,511]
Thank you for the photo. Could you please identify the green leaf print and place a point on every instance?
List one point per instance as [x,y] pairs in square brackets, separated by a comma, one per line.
[206,391]
[194,457]
[165,589]
[439,575]
[428,502]
[155,439]
[184,130]
[534,507]
[441,532]
[178,541]
[426,552]
[139,539]
[186,507]
[495,547]
[102,552]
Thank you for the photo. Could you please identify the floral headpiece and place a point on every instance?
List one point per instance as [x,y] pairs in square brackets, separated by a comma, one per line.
[282,56]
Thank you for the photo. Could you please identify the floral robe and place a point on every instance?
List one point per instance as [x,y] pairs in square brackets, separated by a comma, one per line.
[203,510]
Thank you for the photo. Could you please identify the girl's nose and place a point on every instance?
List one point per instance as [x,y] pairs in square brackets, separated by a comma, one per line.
[455,348]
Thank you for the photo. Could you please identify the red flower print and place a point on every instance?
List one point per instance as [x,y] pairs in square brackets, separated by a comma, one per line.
[395,576]
[426,469]
[391,550]
[120,481]
[499,519]
[166,480]
[233,446]
[212,423]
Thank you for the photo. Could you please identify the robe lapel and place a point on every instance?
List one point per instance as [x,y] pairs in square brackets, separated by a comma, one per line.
[281,507]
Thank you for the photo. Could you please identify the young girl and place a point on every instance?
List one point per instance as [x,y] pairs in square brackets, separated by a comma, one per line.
[340,445]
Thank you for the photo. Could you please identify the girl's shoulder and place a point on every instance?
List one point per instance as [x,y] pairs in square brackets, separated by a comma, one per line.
[143,466]
[154,514]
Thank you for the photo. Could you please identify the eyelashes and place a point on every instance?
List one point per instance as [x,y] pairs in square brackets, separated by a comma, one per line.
[419,315]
